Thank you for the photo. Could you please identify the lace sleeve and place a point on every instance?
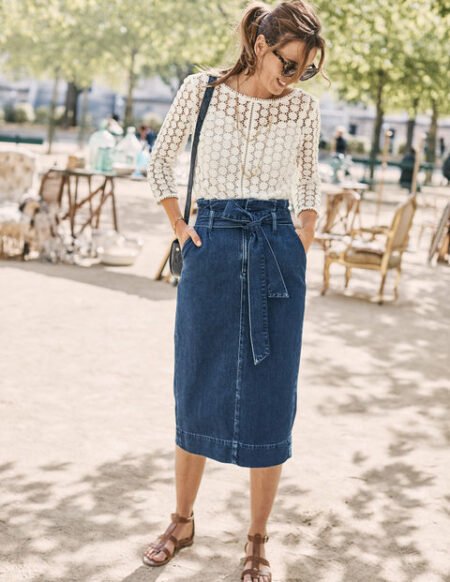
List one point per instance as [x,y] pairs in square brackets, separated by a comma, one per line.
[178,124]
[307,194]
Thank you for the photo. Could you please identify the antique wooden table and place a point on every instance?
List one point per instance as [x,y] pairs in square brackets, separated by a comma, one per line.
[98,194]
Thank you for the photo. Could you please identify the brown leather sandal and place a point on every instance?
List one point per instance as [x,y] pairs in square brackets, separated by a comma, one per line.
[167,535]
[255,557]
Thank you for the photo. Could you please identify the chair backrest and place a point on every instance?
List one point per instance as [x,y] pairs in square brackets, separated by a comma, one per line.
[51,187]
[341,212]
[401,224]
[17,174]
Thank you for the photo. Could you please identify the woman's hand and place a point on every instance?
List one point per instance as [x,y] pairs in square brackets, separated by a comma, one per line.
[185,231]
[306,226]
[306,236]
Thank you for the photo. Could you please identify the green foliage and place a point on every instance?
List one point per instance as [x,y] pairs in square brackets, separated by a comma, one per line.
[42,114]
[19,113]
[9,113]
[394,55]
[442,7]
[391,55]
[356,146]
[398,51]
[51,37]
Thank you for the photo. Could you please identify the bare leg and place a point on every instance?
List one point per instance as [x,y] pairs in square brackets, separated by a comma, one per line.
[263,485]
[188,475]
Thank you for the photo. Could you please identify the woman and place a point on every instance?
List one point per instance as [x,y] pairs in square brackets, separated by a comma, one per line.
[241,294]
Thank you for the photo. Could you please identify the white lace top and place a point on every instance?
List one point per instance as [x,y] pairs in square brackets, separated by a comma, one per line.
[248,146]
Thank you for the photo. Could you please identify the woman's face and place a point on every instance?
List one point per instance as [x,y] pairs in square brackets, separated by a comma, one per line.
[270,67]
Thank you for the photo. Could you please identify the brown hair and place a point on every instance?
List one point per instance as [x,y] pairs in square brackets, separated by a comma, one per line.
[287,21]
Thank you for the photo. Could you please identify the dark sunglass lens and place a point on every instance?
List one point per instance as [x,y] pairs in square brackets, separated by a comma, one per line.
[310,72]
[290,70]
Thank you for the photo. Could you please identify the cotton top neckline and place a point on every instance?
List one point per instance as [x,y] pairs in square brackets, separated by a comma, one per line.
[259,99]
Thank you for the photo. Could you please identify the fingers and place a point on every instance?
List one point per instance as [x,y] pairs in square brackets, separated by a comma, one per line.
[194,236]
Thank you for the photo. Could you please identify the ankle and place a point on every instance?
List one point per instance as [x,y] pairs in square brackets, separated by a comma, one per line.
[185,512]
[255,529]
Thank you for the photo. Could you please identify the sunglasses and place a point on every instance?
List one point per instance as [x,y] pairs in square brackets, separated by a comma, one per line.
[290,68]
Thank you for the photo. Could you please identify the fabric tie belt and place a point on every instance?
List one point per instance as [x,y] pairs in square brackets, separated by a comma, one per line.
[264,277]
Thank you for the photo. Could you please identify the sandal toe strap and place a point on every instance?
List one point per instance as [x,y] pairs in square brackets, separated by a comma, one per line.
[166,551]
[256,560]
[254,572]
[161,547]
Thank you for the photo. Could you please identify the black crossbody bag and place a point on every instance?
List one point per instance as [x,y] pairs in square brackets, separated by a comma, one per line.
[175,256]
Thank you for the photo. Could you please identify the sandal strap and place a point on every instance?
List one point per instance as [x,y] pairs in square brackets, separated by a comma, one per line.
[258,538]
[160,548]
[255,557]
[177,518]
[254,572]
[256,560]
[167,535]
[166,551]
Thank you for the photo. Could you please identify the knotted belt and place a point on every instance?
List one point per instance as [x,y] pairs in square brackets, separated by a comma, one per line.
[264,277]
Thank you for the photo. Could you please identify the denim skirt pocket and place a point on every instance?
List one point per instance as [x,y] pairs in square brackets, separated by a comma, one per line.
[299,241]
[186,246]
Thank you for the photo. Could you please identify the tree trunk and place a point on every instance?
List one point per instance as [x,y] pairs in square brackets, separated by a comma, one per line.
[84,110]
[431,141]
[131,84]
[70,118]
[411,125]
[51,117]
[378,125]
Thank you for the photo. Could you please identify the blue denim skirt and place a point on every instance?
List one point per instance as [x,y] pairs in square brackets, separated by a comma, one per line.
[238,332]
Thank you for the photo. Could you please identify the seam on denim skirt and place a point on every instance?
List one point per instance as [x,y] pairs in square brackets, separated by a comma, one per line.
[239,359]
[215,225]
[249,446]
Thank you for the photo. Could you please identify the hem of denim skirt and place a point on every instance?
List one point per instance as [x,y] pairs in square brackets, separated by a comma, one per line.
[222,450]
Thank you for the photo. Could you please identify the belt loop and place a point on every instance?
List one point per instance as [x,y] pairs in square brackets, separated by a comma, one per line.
[274,221]
[211,218]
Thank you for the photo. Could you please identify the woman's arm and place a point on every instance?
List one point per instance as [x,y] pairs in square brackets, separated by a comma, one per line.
[306,199]
[178,125]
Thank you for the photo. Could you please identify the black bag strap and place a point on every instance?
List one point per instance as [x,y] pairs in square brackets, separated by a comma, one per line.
[201,116]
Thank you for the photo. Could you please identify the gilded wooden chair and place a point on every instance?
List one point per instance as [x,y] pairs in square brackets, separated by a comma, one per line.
[342,211]
[18,182]
[381,252]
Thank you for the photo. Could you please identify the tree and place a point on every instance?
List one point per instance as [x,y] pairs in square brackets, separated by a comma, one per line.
[51,39]
[375,58]
[163,37]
